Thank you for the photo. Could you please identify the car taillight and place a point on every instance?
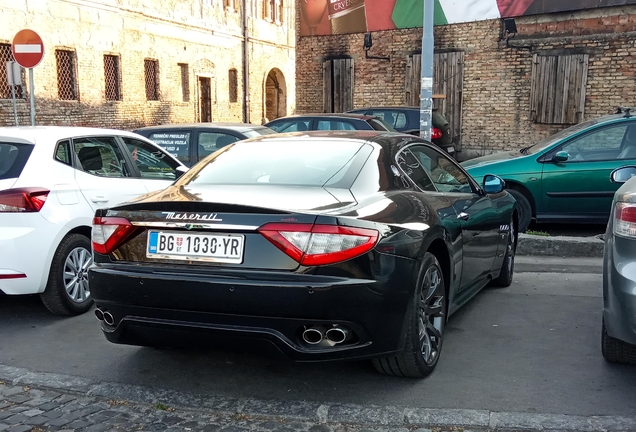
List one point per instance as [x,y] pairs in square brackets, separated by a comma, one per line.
[314,245]
[436,133]
[109,232]
[23,200]
[625,220]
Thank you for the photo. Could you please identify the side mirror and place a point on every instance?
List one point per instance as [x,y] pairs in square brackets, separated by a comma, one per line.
[560,157]
[493,184]
[622,174]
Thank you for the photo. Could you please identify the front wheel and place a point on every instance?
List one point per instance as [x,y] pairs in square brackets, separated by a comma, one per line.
[67,291]
[615,350]
[425,327]
[508,266]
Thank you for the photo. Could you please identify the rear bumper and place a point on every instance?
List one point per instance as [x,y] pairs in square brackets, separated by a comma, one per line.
[24,253]
[619,289]
[255,309]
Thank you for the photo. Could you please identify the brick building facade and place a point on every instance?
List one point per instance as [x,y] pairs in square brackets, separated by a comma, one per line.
[511,92]
[133,63]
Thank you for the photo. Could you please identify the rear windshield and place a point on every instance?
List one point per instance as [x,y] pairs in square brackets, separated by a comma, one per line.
[13,158]
[380,125]
[294,163]
[175,143]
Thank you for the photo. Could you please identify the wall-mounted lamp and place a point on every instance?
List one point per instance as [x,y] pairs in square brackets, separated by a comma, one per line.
[368,43]
[509,29]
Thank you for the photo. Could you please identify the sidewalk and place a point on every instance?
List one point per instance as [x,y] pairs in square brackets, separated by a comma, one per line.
[39,402]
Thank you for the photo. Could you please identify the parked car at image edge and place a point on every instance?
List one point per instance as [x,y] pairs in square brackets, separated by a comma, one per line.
[407,120]
[192,142]
[565,177]
[619,273]
[52,180]
[319,245]
[328,121]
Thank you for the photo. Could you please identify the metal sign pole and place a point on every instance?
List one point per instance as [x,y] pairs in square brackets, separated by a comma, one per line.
[32,97]
[15,107]
[426,95]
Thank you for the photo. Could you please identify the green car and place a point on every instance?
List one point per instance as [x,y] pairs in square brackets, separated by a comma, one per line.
[565,177]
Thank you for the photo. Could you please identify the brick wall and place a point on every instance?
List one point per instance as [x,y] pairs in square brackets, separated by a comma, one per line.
[200,33]
[497,77]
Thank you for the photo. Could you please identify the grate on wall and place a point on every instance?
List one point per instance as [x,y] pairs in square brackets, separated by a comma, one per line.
[151,71]
[111,78]
[5,89]
[233,85]
[66,79]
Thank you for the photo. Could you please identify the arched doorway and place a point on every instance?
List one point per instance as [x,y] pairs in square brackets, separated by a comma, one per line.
[275,95]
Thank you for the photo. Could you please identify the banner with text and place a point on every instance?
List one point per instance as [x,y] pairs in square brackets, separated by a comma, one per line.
[327,17]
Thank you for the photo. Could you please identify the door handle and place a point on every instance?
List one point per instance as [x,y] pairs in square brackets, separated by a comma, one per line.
[463,216]
[99,199]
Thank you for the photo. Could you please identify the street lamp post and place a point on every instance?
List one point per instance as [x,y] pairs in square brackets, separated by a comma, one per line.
[426,95]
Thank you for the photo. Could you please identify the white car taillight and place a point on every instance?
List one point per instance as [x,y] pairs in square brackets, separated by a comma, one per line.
[625,220]
[313,245]
[23,200]
[109,232]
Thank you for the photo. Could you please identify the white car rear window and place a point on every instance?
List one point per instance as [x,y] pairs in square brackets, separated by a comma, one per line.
[13,158]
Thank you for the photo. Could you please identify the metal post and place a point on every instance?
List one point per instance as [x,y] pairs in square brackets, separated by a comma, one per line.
[426,95]
[32,97]
[15,107]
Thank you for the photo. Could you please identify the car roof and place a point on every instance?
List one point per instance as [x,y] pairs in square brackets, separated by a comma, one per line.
[52,134]
[387,107]
[330,115]
[220,125]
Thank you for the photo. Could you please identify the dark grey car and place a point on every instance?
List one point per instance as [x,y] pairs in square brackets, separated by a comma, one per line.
[192,142]
[619,273]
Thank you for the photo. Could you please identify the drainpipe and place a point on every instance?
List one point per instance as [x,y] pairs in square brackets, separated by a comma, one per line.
[246,64]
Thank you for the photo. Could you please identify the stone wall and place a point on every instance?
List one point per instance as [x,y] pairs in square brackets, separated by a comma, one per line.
[204,34]
[497,75]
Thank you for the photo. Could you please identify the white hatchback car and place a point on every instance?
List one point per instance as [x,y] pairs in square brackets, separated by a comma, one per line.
[52,179]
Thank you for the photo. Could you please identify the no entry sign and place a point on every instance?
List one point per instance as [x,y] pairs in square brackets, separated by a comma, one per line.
[27,48]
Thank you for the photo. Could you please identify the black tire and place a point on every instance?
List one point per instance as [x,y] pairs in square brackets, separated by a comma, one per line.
[524,208]
[425,327]
[508,265]
[615,350]
[73,249]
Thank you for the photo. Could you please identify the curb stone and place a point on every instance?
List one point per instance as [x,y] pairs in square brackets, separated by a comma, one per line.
[324,417]
[560,246]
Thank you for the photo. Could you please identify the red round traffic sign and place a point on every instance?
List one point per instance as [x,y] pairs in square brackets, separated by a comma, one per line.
[27,48]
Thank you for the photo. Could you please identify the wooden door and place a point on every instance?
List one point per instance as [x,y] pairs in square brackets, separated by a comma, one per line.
[448,80]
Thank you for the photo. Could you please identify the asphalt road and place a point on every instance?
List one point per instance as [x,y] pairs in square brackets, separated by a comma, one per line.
[530,348]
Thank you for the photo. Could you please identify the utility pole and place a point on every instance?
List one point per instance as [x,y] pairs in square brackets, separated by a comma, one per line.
[426,95]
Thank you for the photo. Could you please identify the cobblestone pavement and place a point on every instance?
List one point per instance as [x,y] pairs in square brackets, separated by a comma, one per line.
[25,409]
[42,402]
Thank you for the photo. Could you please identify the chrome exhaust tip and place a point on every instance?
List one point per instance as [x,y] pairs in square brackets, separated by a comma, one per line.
[99,314]
[338,334]
[109,318]
[314,335]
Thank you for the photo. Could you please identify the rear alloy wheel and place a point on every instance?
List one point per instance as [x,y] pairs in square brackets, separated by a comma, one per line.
[425,331]
[67,291]
[615,350]
[508,265]
[523,207]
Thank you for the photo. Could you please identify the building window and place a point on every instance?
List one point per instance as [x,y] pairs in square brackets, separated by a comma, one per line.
[151,74]
[337,77]
[185,82]
[231,4]
[557,94]
[5,89]
[233,86]
[273,10]
[112,78]
[66,75]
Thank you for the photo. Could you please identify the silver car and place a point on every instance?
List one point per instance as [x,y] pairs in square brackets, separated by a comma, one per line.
[619,272]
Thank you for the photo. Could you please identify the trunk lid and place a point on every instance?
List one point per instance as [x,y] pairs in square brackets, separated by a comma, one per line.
[228,216]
